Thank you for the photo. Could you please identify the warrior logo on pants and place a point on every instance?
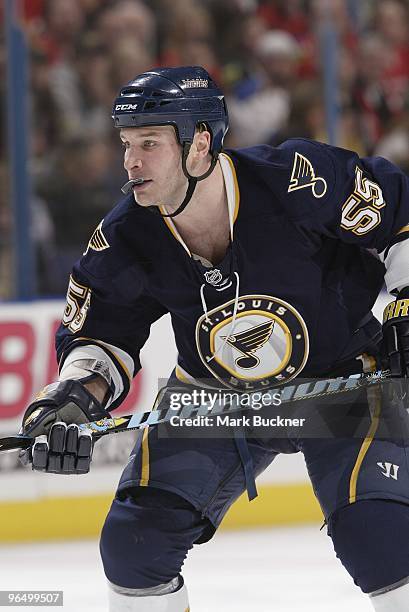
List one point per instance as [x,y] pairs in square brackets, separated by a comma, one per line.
[265,345]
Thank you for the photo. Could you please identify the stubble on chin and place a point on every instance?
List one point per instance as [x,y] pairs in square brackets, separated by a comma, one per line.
[143,203]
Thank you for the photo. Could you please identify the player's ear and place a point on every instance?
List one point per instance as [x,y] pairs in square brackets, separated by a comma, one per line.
[202,140]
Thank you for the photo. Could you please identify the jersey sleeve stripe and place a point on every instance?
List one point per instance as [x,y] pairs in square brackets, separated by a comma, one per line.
[395,259]
[113,353]
[120,372]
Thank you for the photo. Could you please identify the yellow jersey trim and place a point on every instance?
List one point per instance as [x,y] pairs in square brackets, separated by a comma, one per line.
[233,207]
[236,187]
[173,230]
[102,345]
[180,376]
[405,228]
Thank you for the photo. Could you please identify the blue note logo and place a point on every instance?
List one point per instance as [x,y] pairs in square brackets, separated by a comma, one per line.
[97,242]
[303,176]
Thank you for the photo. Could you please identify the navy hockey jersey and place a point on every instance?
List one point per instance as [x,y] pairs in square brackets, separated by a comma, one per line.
[293,293]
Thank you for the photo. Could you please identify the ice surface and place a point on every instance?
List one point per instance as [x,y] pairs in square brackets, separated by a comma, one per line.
[273,570]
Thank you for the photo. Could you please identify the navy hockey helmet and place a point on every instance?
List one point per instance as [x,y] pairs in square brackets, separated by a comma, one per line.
[184,97]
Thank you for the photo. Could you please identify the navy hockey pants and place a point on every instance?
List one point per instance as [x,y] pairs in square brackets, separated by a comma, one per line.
[174,492]
[148,533]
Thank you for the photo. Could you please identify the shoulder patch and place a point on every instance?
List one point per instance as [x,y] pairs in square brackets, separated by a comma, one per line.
[303,176]
[97,242]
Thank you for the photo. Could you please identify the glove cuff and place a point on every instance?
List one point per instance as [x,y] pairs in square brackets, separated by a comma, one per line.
[66,400]
[403,293]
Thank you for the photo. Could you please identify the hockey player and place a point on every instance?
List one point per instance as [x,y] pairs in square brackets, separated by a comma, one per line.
[287,245]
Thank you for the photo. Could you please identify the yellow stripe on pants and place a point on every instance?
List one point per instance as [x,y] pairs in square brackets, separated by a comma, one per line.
[145,459]
[374,395]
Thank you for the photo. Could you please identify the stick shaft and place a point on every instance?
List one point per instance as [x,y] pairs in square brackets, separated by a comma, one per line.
[296,392]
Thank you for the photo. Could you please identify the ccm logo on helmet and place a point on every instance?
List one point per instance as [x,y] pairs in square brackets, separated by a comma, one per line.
[126,107]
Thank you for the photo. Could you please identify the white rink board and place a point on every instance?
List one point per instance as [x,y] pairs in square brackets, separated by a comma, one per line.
[26,364]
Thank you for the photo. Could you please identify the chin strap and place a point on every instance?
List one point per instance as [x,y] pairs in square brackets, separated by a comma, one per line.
[192,181]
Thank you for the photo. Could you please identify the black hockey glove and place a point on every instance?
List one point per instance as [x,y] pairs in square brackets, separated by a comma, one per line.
[396,335]
[53,419]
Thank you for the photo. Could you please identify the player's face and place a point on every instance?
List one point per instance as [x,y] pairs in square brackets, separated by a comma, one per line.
[154,154]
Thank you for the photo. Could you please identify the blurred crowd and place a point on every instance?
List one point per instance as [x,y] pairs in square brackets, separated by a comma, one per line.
[267,55]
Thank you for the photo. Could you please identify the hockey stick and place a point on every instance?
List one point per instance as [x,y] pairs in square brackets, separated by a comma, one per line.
[290,393]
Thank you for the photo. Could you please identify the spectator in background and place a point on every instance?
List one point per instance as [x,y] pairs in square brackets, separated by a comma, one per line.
[128,19]
[370,94]
[288,15]
[307,114]
[189,33]
[392,23]
[57,36]
[395,144]
[82,85]
[239,34]
[92,10]
[80,89]
[251,29]
[127,57]
[279,54]
[42,233]
[201,53]
[79,191]
[48,279]
[258,117]
[46,130]
[93,87]
[59,30]
[236,29]
[266,53]
[33,9]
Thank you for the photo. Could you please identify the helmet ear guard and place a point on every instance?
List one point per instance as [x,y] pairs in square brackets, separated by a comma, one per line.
[184,97]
